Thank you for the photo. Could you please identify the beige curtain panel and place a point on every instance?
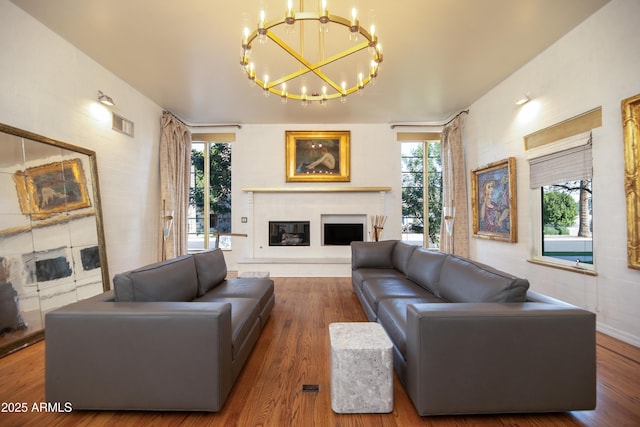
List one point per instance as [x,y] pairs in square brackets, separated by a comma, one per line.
[454,189]
[175,167]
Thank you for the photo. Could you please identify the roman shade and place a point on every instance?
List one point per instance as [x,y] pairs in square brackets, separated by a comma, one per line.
[569,159]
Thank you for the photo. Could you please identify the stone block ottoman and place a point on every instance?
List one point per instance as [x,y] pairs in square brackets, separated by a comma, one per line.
[361,368]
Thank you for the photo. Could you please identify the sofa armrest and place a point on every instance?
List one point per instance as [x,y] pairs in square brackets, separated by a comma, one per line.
[500,357]
[139,355]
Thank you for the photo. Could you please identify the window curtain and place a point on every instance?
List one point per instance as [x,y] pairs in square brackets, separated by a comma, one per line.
[175,168]
[454,189]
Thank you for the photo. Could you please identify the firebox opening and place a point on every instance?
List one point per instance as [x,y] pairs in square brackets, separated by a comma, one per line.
[289,233]
[342,234]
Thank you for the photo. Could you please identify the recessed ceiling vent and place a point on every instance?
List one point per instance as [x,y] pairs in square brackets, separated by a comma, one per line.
[123,125]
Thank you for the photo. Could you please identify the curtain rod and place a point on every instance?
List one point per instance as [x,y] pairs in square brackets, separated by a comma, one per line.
[432,125]
[203,126]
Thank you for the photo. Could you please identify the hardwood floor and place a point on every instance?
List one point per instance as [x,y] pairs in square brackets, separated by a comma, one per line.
[294,350]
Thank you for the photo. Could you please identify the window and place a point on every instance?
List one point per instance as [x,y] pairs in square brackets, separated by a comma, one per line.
[561,181]
[209,196]
[416,184]
[567,221]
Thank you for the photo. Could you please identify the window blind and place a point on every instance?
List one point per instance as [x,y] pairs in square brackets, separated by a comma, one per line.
[568,164]
[214,137]
[418,136]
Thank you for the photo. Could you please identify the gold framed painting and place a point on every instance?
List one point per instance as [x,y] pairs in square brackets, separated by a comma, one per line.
[52,188]
[318,156]
[493,201]
[631,133]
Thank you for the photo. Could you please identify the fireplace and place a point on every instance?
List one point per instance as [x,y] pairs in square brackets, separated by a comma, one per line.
[342,234]
[289,233]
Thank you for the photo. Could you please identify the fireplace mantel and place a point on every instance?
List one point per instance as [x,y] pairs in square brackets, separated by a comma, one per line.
[335,189]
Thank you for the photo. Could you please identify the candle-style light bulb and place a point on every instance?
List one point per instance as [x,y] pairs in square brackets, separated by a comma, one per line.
[245,38]
[262,31]
[289,18]
[324,17]
[374,38]
[355,25]
[373,70]
[378,55]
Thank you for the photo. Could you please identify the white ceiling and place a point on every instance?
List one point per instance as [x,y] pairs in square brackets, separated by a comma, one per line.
[439,55]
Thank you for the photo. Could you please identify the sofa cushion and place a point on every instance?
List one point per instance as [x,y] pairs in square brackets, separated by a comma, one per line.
[170,280]
[424,268]
[392,315]
[360,275]
[400,256]
[463,280]
[260,289]
[211,269]
[372,254]
[376,290]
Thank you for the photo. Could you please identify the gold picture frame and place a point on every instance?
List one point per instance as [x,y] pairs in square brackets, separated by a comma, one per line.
[318,156]
[53,188]
[631,134]
[493,201]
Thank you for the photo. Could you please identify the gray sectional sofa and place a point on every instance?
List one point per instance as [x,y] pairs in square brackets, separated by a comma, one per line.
[170,336]
[469,339]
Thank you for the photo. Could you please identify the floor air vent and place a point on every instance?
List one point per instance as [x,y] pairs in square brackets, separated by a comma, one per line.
[311,388]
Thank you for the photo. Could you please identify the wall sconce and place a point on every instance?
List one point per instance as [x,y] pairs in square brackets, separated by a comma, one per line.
[523,100]
[105,99]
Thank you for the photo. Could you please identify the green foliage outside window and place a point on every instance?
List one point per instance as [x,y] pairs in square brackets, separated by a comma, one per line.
[559,211]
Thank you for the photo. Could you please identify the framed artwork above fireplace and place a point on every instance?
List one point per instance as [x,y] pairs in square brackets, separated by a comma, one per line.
[318,156]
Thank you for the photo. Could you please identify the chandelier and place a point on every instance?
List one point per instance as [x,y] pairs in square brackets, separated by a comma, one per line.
[352,63]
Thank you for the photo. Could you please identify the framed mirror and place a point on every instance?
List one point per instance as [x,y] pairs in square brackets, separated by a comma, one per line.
[52,247]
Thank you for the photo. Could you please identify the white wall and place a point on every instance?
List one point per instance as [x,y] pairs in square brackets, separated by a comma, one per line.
[259,161]
[597,64]
[49,87]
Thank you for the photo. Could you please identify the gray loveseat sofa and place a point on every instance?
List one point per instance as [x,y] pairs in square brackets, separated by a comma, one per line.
[170,336]
[469,339]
